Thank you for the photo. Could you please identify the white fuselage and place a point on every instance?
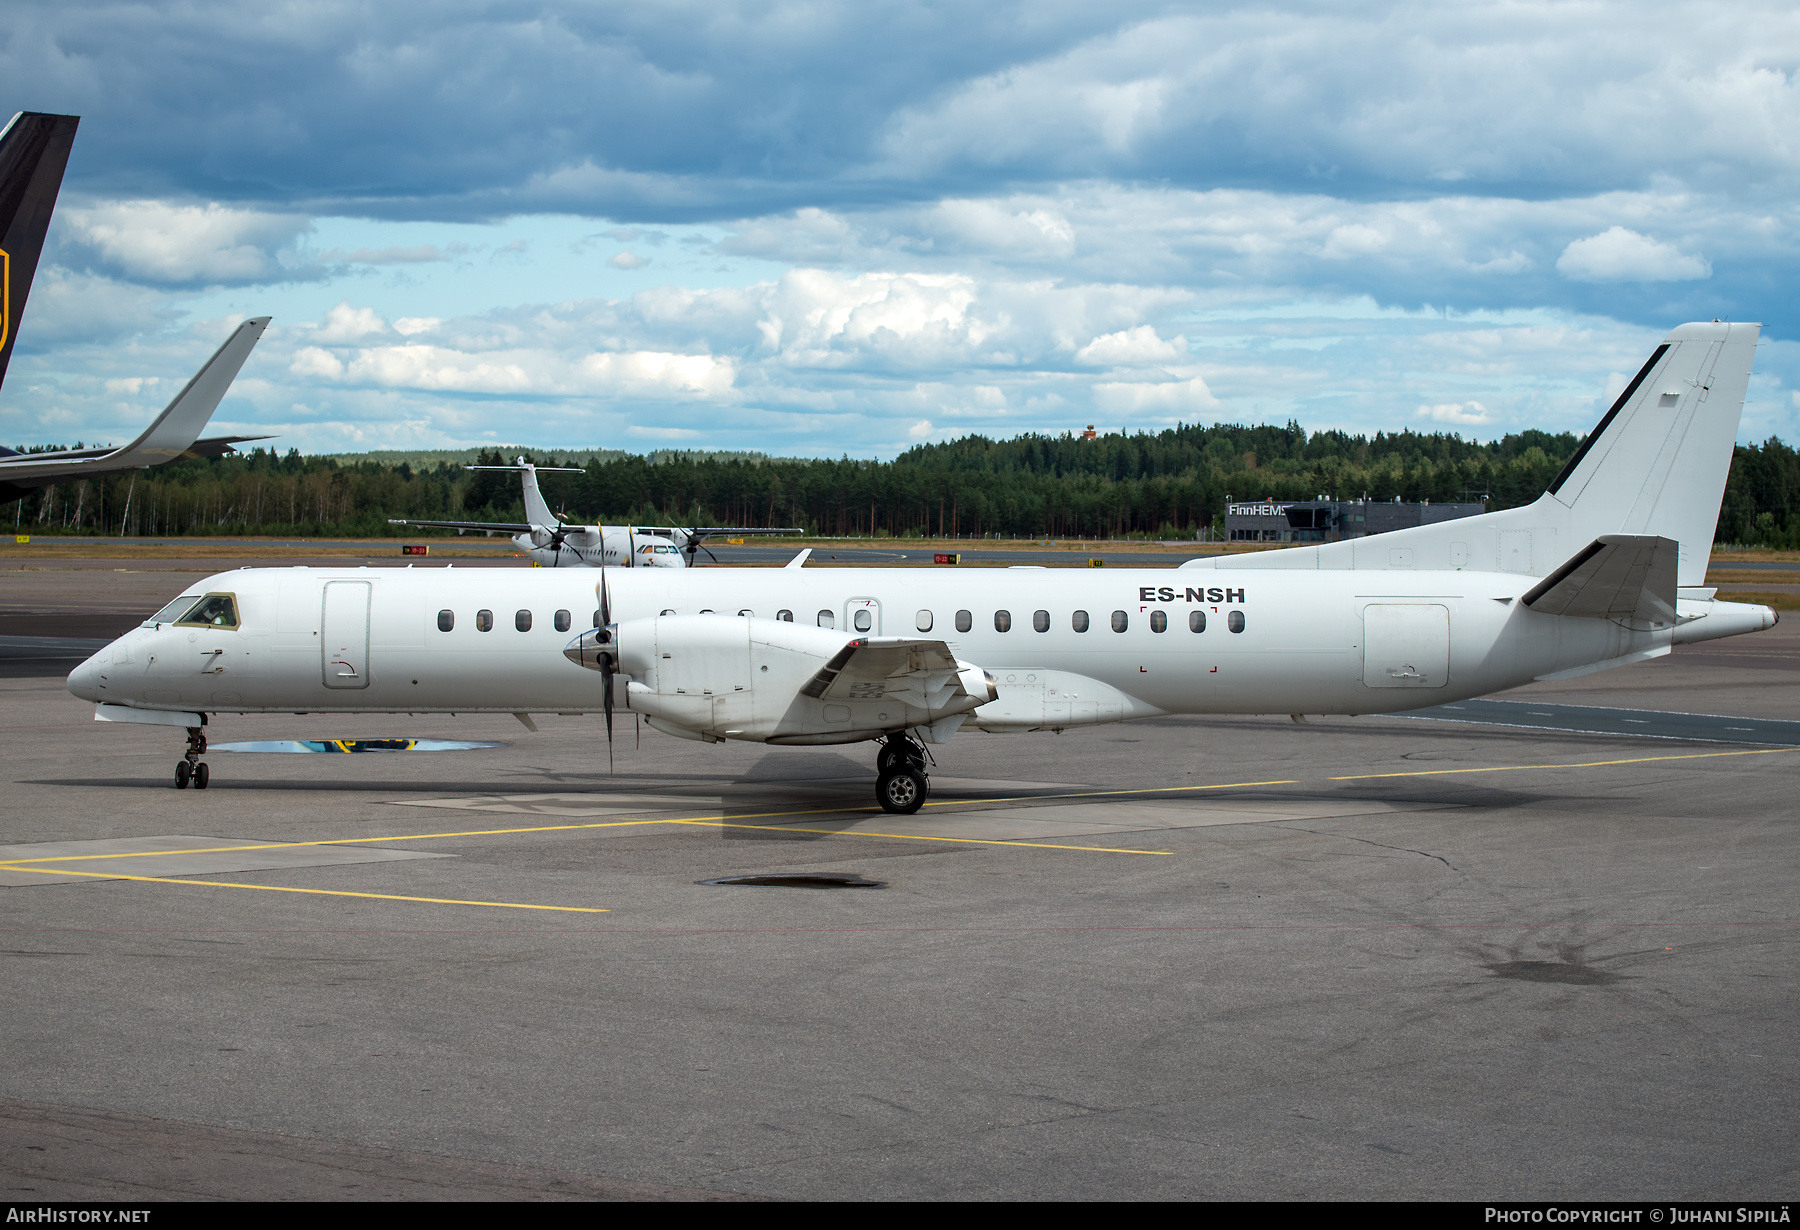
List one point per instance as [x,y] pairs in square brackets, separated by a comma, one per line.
[369,639]
[611,546]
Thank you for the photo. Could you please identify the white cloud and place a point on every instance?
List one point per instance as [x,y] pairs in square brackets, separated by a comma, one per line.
[158,241]
[662,433]
[1139,345]
[436,368]
[1462,413]
[418,254]
[921,430]
[1621,255]
[312,362]
[344,323]
[412,326]
[650,372]
[1168,397]
[628,260]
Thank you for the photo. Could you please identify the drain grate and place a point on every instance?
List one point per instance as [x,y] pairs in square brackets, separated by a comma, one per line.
[803,879]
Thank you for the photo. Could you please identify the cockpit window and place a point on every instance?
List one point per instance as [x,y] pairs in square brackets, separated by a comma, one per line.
[212,611]
[173,611]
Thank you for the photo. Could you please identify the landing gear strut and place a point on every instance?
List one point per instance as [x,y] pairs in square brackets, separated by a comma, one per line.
[190,768]
[901,783]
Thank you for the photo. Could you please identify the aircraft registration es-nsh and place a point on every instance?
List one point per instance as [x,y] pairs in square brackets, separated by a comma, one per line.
[1606,568]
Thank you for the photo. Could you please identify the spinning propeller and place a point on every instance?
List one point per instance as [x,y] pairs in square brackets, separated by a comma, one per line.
[609,659]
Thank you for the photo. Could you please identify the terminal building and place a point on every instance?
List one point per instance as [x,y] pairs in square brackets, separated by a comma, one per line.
[1323,520]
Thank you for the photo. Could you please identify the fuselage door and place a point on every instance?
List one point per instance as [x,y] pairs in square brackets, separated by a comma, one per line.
[1406,645]
[344,634]
[863,615]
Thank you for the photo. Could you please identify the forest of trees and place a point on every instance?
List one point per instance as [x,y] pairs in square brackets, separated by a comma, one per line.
[1167,484]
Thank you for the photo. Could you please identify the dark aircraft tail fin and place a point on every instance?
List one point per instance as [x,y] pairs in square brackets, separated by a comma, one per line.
[34,149]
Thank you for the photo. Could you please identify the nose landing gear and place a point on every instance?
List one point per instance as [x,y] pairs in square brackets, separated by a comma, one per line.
[901,783]
[190,768]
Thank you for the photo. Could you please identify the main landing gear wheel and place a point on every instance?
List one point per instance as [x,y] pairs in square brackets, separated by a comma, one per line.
[899,750]
[202,775]
[183,772]
[901,792]
[894,756]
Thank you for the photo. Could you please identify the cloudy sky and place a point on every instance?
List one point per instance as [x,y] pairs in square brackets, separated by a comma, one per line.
[813,227]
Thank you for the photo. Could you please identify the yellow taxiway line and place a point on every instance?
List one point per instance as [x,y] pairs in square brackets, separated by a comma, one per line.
[29,865]
[316,892]
[1584,764]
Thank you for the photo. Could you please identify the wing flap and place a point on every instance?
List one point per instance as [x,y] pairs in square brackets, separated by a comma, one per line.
[908,670]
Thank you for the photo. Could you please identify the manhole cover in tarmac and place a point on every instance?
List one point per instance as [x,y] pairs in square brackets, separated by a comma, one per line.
[1553,971]
[807,879]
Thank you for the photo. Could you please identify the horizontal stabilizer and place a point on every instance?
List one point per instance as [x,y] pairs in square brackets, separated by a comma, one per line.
[1618,576]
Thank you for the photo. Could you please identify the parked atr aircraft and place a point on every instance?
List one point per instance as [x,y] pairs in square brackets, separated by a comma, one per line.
[552,543]
[34,149]
[1605,568]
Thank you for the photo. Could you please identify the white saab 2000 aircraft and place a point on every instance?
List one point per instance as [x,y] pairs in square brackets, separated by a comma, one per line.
[1605,568]
[553,543]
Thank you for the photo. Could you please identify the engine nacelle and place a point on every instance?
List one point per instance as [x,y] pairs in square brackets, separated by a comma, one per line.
[718,677]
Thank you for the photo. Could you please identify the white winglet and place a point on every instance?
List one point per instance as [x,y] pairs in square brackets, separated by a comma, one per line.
[799,560]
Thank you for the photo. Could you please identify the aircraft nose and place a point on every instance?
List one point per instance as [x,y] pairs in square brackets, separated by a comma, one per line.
[84,680]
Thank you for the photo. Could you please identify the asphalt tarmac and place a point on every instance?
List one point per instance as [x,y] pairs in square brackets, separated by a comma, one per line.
[1185,958]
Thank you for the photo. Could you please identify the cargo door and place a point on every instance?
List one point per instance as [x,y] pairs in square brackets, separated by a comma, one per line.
[344,634]
[1406,645]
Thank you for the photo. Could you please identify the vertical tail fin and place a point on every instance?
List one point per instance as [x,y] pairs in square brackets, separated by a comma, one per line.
[1657,463]
[1655,467]
[34,149]
[537,511]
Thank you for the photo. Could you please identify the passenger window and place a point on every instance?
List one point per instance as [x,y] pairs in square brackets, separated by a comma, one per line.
[964,621]
[1159,621]
[563,620]
[522,621]
[1003,621]
[746,612]
[665,611]
[1197,621]
[1079,621]
[1121,621]
[786,617]
[1235,621]
[212,611]
[922,621]
[446,620]
[706,610]
[863,620]
[1040,620]
[484,621]
[826,620]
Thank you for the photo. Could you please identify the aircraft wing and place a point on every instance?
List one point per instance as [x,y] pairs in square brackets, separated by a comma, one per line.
[498,527]
[710,531]
[175,432]
[905,669]
[1617,576]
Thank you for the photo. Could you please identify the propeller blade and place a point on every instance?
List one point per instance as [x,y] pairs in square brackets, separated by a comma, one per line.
[608,660]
